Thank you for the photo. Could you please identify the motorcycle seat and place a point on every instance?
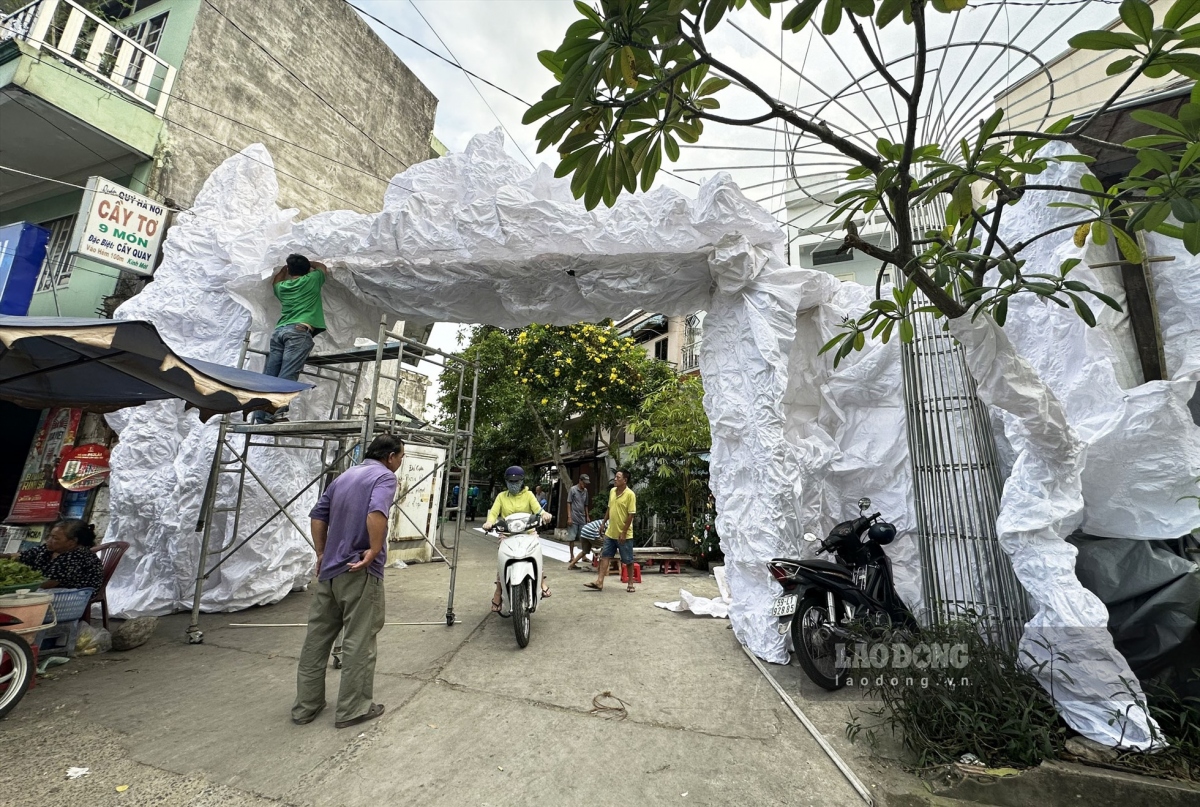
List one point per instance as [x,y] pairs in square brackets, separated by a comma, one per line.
[826,567]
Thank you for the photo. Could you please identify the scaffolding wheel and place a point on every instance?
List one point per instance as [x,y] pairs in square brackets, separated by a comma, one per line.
[449,619]
[195,637]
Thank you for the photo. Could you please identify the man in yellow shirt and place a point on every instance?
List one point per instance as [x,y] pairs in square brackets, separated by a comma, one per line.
[622,504]
[515,499]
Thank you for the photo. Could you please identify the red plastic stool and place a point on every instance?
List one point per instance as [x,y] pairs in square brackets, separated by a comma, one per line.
[637,573]
[671,567]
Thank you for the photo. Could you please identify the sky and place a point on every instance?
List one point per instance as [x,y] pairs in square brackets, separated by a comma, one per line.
[500,39]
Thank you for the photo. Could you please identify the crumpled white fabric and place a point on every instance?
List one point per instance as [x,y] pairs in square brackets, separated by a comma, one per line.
[716,607]
[471,237]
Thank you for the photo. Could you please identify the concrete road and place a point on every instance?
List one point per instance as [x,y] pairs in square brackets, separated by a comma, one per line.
[471,718]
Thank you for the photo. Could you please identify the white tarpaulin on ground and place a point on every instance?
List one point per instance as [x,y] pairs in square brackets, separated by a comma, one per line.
[475,237]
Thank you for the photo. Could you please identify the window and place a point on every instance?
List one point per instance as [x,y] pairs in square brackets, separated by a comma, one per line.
[847,277]
[821,257]
[660,349]
[148,34]
[56,268]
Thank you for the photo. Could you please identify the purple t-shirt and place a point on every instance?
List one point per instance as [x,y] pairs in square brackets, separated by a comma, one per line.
[366,488]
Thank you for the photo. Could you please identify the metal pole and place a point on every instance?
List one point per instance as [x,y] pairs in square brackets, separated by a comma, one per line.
[466,480]
[194,634]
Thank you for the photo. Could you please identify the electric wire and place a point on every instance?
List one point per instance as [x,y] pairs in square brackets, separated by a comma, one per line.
[474,86]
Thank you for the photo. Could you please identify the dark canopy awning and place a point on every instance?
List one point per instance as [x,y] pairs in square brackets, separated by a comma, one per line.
[102,365]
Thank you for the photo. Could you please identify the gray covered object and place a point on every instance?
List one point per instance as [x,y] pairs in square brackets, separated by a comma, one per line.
[1152,594]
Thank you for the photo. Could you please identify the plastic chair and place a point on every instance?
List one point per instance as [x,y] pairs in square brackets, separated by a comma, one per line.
[110,555]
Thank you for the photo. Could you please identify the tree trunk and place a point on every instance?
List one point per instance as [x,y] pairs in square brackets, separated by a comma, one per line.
[555,448]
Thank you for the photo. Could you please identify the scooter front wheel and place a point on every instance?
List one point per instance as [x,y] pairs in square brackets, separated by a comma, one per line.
[520,600]
[16,670]
[815,642]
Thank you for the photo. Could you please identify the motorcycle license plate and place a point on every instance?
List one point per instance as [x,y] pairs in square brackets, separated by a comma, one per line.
[784,606]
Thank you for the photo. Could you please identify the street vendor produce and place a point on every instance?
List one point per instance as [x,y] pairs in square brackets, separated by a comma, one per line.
[66,559]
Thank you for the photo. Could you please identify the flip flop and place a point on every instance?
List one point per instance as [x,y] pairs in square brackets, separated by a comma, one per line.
[630,589]
[375,711]
[591,584]
[496,606]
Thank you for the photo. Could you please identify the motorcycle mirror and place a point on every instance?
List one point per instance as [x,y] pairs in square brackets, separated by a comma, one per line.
[864,504]
[808,536]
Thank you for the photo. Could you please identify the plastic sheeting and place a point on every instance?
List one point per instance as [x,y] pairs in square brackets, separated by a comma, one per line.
[470,237]
[716,607]
[475,237]
[1150,592]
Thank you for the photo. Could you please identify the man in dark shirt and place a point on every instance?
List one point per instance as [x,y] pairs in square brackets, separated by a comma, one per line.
[349,530]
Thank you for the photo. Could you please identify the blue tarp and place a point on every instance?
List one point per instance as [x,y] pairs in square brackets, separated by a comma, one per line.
[102,365]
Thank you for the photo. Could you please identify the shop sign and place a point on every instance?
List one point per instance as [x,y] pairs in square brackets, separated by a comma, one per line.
[118,227]
[83,467]
[39,496]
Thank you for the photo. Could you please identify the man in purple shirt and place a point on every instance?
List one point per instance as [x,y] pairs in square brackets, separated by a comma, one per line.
[349,530]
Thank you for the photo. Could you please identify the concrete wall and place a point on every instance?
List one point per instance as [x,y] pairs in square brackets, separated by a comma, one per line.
[329,49]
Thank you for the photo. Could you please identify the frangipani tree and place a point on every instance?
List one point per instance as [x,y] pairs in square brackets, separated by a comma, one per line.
[635,78]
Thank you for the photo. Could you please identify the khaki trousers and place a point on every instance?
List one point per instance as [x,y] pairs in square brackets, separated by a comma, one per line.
[354,601]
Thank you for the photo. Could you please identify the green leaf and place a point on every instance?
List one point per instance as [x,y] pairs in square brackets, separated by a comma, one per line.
[832,343]
[763,6]
[1185,210]
[860,8]
[1138,17]
[832,18]
[889,10]
[542,108]
[1129,248]
[1180,12]
[963,199]
[799,16]
[1191,238]
[1158,120]
[1081,308]
[712,15]
[1089,183]
[1060,125]
[672,147]
[1157,160]
[906,331]
[1100,232]
[1000,312]
[713,85]
[651,165]
[1121,65]
[1103,40]
[1189,156]
[989,125]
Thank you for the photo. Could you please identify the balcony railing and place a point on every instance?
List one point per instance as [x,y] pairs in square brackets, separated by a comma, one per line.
[690,358]
[87,43]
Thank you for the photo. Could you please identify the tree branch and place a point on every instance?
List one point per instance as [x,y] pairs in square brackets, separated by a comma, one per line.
[817,130]
[1073,225]
[1067,138]
[1095,116]
[879,66]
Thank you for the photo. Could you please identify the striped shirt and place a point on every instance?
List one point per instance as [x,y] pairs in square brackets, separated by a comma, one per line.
[591,530]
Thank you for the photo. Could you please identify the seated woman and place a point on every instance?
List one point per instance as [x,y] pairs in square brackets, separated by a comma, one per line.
[66,559]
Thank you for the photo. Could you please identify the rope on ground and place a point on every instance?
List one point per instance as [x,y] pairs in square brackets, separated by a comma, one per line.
[607,710]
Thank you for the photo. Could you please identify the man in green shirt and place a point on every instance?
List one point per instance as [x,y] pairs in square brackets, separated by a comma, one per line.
[297,285]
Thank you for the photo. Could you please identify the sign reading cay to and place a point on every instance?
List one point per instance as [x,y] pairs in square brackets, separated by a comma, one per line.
[119,227]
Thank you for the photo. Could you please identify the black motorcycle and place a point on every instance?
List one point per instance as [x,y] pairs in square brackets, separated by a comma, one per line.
[829,607]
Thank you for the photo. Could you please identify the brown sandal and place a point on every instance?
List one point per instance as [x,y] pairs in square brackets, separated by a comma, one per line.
[591,584]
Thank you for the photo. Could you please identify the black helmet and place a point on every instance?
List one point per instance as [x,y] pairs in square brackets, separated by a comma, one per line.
[882,533]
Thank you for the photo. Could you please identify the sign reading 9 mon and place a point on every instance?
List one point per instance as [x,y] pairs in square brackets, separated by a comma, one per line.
[118,227]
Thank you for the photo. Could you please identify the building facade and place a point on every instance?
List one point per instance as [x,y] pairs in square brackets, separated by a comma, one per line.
[155,94]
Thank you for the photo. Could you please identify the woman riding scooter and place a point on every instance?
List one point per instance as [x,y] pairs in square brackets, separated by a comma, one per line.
[516,499]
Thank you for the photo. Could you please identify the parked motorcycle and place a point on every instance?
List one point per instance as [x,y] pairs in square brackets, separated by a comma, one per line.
[519,570]
[826,604]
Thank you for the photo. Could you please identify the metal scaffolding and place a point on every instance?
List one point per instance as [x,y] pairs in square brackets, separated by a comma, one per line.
[340,440]
[956,485]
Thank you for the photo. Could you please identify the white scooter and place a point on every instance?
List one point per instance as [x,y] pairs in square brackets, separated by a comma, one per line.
[519,569]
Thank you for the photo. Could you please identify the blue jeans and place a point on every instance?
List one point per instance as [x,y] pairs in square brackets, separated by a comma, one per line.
[612,546]
[290,346]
